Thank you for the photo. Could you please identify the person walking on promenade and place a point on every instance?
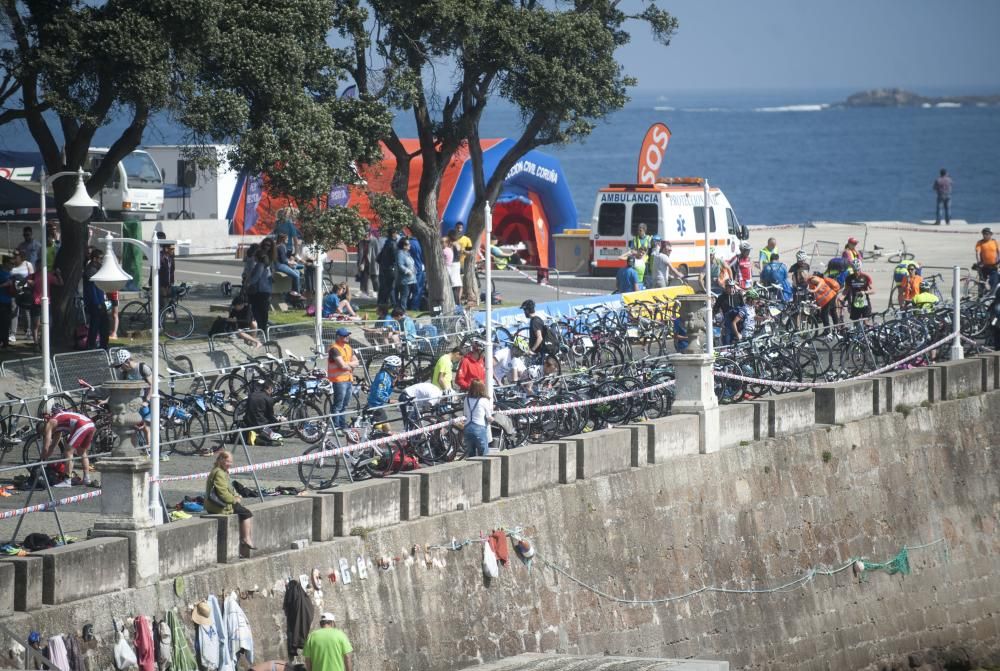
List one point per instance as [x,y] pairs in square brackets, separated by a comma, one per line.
[221,499]
[987,257]
[942,187]
[328,648]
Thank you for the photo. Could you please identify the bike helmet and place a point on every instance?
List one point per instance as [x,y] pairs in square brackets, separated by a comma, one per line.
[120,356]
[392,362]
[801,256]
[856,264]
[751,294]
[744,246]
[521,343]
[478,344]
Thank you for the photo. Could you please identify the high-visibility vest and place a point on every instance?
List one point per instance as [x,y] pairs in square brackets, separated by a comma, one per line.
[336,373]
[825,289]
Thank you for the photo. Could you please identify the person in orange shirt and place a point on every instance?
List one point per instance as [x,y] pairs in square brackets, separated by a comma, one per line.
[987,257]
[340,371]
[824,291]
[909,286]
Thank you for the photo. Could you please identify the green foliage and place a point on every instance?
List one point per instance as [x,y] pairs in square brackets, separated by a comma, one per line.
[392,214]
[332,226]
[827,456]
[554,61]
[257,74]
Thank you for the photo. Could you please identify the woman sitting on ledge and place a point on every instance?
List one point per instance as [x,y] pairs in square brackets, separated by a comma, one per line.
[221,499]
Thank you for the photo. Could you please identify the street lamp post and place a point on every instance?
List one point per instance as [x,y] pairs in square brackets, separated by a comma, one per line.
[111,277]
[78,208]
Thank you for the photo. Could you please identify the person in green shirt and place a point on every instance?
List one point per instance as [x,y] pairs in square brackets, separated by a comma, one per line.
[444,368]
[764,257]
[221,499]
[327,648]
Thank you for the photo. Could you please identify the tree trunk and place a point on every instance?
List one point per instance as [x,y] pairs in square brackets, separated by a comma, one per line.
[474,228]
[438,282]
[69,260]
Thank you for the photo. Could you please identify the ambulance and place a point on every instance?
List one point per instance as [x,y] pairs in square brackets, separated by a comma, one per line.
[672,209]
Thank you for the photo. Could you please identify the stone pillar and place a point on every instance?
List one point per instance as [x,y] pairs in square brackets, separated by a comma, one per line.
[125,485]
[694,393]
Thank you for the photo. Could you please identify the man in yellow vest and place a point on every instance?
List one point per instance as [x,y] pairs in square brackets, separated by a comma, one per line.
[340,371]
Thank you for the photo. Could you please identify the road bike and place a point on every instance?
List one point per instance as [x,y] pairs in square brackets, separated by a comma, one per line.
[176,321]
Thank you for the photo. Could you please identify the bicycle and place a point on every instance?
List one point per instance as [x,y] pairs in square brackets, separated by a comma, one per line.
[899,255]
[176,321]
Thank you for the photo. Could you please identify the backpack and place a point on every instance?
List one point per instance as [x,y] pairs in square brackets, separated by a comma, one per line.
[24,293]
[36,541]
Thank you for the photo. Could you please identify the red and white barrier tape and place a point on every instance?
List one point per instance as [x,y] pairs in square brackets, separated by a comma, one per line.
[302,458]
[560,290]
[809,385]
[978,344]
[49,505]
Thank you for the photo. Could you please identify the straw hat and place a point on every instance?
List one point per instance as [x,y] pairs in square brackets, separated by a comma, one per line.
[202,613]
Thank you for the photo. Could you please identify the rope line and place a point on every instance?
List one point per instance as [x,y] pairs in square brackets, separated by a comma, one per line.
[898,564]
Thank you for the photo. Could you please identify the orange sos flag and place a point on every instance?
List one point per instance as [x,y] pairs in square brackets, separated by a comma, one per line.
[654,146]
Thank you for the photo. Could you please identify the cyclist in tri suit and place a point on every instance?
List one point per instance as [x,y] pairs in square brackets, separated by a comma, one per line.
[79,431]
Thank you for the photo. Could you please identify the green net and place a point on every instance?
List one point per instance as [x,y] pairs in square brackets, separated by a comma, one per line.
[898,564]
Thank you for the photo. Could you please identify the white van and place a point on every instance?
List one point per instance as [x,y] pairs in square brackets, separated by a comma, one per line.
[672,209]
[135,187]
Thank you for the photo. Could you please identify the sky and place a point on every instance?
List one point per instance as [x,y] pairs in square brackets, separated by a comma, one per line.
[921,45]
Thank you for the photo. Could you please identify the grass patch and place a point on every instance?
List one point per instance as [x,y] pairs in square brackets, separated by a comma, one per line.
[827,456]
[362,532]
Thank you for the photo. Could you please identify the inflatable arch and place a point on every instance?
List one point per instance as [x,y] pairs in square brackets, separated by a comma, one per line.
[534,203]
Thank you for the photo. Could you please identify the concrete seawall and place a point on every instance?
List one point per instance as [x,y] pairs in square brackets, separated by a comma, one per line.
[750,516]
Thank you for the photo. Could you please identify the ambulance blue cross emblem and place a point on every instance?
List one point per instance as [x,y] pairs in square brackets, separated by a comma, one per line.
[680,225]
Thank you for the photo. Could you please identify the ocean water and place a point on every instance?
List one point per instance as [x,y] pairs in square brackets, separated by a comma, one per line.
[781,157]
[790,158]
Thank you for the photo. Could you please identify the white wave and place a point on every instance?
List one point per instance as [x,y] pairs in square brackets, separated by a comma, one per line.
[926,106]
[947,105]
[794,108]
[704,109]
[662,108]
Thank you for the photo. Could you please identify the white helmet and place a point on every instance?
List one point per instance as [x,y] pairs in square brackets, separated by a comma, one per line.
[801,255]
[392,362]
[744,245]
[120,356]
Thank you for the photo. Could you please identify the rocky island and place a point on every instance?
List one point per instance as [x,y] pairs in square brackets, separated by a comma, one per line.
[900,98]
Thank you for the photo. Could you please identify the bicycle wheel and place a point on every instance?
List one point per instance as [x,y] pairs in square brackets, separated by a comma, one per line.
[312,428]
[321,472]
[32,450]
[189,434]
[134,317]
[176,322]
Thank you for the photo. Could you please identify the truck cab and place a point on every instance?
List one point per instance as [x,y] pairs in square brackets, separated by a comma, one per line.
[672,209]
[135,188]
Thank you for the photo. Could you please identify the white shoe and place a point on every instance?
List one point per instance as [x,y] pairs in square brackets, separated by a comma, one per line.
[12,339]
[64,483]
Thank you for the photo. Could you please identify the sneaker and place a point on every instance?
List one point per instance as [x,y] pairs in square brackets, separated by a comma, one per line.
[12,339]
[64,483]
[76,481]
